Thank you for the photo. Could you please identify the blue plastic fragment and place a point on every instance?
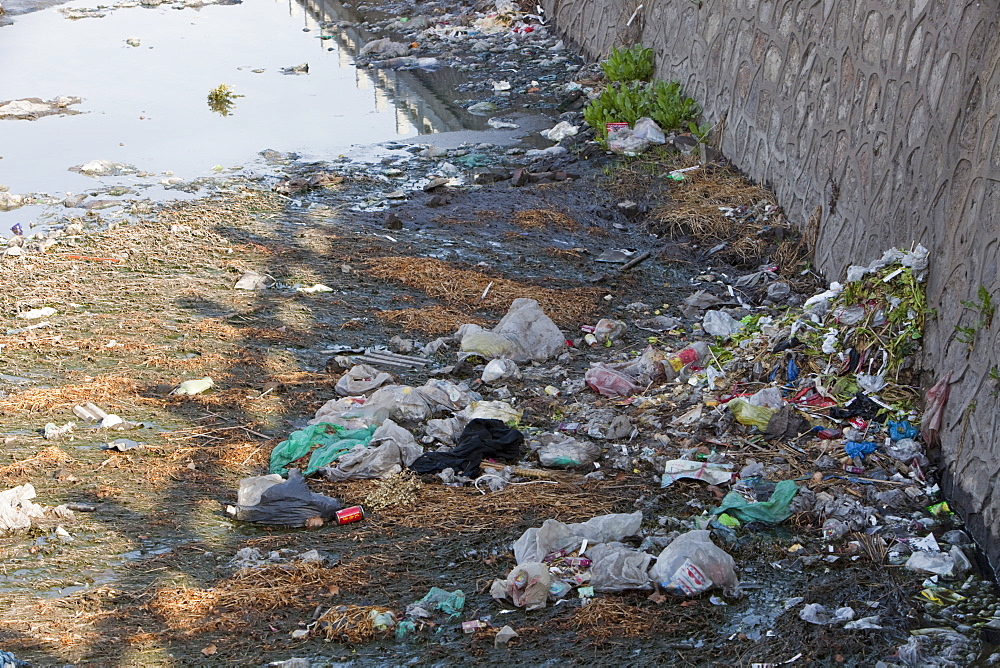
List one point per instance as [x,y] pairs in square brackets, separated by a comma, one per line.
[860,449]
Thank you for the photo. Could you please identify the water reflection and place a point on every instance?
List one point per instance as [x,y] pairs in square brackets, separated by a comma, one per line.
[143,74]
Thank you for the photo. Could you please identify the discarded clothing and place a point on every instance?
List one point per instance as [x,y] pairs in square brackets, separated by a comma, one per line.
[271,500]
[481,439]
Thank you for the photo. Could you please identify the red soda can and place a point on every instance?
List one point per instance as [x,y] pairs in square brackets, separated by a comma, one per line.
[352,514]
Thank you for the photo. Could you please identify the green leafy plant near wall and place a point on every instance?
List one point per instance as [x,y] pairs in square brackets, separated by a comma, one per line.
[623,65]
[629,97]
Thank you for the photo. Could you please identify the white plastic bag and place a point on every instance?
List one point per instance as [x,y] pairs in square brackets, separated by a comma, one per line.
[361,379]
[693,564]
[617,567]
[554,535]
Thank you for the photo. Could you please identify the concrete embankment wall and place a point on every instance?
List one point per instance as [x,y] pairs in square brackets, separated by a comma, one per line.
[876,124]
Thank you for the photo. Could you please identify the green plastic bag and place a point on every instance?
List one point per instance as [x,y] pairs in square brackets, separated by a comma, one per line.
[773,511]
[448,602]
[333,441]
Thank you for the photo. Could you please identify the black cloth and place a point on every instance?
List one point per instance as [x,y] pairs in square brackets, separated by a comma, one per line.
[859,406]
[481,439]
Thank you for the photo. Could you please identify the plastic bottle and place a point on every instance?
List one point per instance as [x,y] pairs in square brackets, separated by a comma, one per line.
[693,355]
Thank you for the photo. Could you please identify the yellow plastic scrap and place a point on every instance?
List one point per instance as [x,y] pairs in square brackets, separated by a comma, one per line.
[748,414]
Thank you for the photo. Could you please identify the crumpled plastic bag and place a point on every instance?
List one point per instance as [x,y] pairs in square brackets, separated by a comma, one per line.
[501,369]
[648,129]
[713,474]
[535,543]
[750,415]
[390,450]
[562,451]
[490,410]
[402,403]
[437,599]
[609,382]
[816,613]
[333,441]
[17,509]
[617,567]
[693,564]
[720,323]
[271,500]
[625,141]
[361,379]
[527,586]
[385,47]
[524,334]
[906,450]
[560,131]
[773,511]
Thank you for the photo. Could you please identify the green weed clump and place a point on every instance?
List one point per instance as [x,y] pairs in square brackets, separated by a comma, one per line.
[630,96]
[624,65]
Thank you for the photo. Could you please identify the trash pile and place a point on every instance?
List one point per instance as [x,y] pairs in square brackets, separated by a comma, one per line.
[799,408]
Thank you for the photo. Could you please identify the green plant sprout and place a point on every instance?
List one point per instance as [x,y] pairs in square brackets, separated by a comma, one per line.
[984,306]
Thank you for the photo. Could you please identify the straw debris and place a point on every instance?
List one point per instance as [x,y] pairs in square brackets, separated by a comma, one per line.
[465,288]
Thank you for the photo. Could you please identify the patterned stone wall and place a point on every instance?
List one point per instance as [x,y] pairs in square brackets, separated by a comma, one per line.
[877,118]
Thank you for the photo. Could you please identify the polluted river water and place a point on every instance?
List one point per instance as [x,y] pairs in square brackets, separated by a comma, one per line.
[143,75]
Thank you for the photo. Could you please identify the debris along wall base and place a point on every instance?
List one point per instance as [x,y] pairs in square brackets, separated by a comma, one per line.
[876,124]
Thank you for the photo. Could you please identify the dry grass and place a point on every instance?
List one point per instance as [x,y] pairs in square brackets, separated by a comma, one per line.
[563,253]
[543,219]
[464,288]
[349,623]
[605,618]
[433,320]
[693,211]
[46,457]
[234,601]
[434,506]
[106,391]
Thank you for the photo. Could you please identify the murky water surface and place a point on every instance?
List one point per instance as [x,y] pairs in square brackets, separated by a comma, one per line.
[147,105]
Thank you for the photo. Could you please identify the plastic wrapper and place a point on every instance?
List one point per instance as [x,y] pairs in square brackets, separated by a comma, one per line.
[390,450]
[610,383]
[693,564]
[361,379]
[713,474]
[526,586]
[561,451]
[553,535]
[617,567]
